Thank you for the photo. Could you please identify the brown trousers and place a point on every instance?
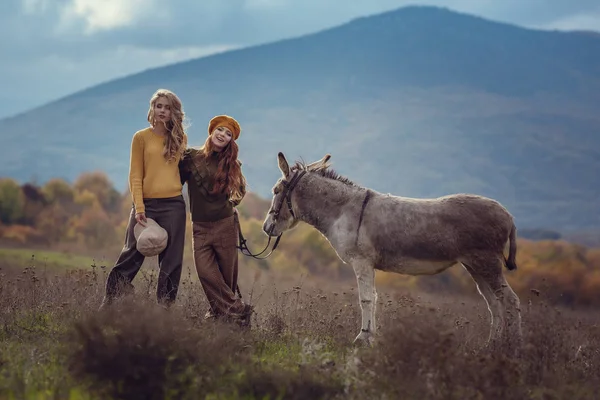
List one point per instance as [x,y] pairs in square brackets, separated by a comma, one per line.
[169,213]
[216,260]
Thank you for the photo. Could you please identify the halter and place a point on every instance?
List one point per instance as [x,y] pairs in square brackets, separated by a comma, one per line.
[288,187]
[287,195]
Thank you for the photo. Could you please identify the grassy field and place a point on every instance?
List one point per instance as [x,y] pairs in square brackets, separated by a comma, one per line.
[43,259]
[55,344]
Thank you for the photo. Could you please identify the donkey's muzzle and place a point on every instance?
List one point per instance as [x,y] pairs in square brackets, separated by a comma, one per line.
[268,228]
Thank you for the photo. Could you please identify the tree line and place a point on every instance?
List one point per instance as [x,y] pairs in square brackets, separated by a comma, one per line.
[86,212]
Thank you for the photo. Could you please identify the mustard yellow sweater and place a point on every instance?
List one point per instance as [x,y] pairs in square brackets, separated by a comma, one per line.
[150,175]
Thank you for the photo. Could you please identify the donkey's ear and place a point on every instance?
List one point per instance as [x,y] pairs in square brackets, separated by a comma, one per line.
[321,164]
[283,165]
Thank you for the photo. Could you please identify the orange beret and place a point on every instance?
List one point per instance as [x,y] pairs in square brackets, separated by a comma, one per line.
[226,121]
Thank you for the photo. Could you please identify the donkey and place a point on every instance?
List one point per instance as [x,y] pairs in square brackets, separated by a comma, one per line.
[370,230]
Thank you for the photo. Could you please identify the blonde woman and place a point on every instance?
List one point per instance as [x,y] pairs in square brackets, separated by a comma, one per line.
[216,186]
[155,186]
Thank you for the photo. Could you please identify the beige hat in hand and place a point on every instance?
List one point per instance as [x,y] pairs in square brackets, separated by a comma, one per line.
[151,239]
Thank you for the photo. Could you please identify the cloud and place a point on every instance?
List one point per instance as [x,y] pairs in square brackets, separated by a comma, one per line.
[103,15]
[35,6]
[589,22]
[63,75]
[250,4]
[544,14]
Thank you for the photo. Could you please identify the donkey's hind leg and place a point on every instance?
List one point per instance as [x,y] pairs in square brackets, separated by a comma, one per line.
[491,301]
[512,308]
[487,271]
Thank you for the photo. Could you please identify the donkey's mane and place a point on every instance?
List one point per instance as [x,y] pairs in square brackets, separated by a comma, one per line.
[323,171]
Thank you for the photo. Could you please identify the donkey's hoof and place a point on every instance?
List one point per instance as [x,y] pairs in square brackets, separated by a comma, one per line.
[364,339]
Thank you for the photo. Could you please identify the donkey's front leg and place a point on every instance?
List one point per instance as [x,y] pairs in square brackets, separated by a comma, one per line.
[365,277]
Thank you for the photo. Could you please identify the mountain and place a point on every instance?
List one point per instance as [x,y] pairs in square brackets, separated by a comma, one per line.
[420,101]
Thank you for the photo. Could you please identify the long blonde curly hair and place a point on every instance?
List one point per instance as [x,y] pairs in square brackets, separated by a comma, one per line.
[174,145]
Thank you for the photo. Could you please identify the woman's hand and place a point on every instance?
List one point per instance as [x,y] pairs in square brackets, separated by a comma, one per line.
[141,218]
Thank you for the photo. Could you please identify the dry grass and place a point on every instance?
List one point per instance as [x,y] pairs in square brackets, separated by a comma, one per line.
[55,344]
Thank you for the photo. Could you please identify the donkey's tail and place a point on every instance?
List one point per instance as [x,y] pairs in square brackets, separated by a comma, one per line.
[511,261]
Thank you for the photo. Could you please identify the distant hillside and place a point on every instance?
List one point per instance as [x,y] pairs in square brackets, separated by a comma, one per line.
[421,101]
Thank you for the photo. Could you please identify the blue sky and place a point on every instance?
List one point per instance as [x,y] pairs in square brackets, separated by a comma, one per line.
[52,48]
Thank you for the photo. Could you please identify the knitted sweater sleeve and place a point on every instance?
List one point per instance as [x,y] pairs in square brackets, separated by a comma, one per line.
[136,173]
[184,166]
[242,190]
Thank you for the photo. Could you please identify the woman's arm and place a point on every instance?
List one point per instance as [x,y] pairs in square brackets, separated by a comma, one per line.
[242,188]
[184,169]
[136,173]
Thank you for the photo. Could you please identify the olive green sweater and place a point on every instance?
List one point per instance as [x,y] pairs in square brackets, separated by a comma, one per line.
[199,173]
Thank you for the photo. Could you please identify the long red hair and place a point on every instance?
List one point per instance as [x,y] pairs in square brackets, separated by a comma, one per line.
[229,177]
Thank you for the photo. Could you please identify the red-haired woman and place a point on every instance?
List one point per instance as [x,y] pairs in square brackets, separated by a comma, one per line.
[216,186]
